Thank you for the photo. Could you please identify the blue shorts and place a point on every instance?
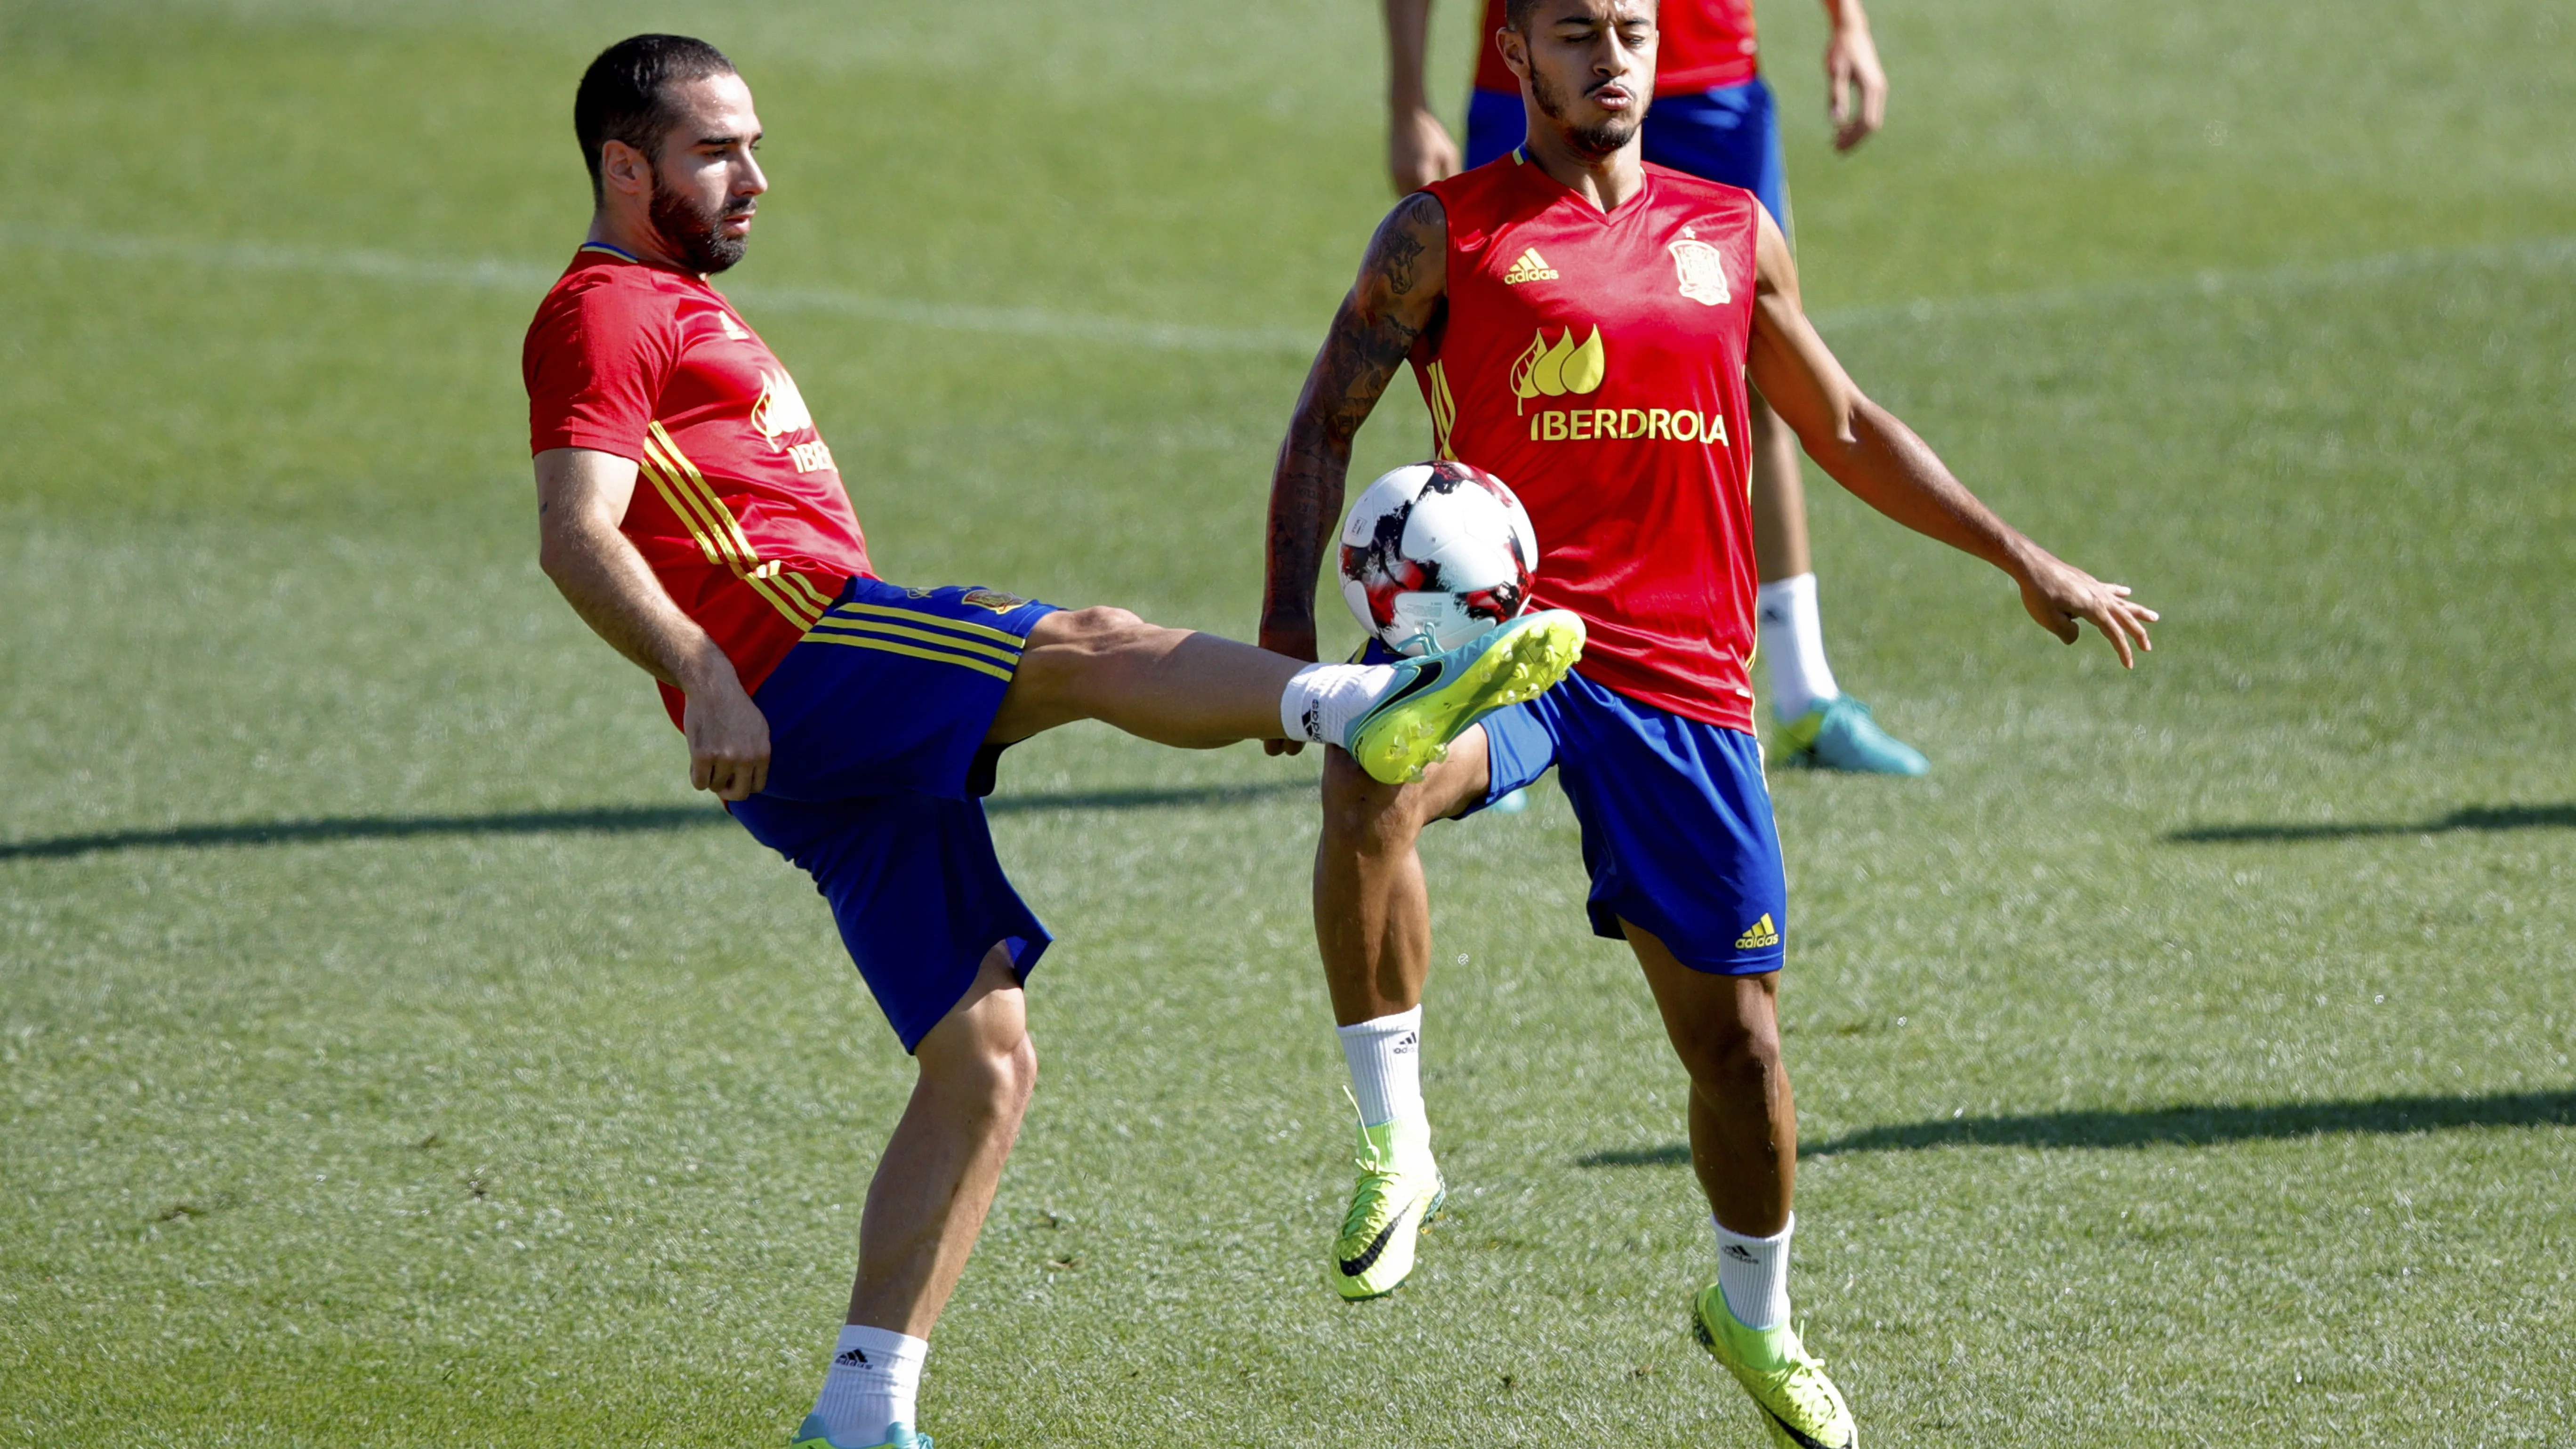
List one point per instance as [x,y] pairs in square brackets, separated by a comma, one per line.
[1676,817]
[1729,134]
[877,721]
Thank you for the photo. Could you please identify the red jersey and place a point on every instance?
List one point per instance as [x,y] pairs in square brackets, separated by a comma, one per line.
[745,522]
[1700,45]
[1596,364]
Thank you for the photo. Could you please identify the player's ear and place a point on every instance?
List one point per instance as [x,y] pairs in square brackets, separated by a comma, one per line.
[622,168]
[1515,49]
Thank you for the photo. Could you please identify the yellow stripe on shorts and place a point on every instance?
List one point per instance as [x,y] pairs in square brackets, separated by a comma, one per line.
[889,646]
[962,646]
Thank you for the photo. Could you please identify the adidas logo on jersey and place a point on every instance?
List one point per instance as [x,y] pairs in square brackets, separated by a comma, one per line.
[1758,935]
[1529,267]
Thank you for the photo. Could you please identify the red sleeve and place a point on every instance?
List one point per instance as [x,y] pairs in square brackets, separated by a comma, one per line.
[596,359]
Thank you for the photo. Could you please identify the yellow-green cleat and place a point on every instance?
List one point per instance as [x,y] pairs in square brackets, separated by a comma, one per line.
[1399,1193]
[1800,1406]
[1436,699]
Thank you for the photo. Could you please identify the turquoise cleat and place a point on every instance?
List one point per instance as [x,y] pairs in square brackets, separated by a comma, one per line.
[1841,734]
[810,1435]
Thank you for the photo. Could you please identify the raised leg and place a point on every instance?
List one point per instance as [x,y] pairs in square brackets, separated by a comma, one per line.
[1171,686]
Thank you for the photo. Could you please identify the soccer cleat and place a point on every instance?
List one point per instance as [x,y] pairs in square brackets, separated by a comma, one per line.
[1434,700]
[1799,1404]
[810,1435]
[1399,1193]
[1841,734]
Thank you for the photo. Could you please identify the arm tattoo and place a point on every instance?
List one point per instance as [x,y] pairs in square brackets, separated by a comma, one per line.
[1399,251]
[1396,298]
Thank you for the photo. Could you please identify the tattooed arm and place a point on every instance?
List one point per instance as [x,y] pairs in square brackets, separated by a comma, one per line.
[1398,295]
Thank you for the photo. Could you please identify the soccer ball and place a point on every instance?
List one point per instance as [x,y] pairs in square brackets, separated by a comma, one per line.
[1434,554]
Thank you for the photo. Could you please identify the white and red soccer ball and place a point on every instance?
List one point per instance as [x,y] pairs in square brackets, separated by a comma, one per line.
[1434,554]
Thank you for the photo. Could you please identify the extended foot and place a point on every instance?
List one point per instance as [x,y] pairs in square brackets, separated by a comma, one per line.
[1841,734]
[1399,1192]
[898,1436]
[1800,1406]
[1434,700]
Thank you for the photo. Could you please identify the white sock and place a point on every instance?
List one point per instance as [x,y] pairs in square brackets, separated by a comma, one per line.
[1755,1274]
[1386,1067]
[1322,700]
[1792,640]
[874,1378]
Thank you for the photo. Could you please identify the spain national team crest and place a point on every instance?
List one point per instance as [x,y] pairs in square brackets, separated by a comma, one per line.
[1702,270]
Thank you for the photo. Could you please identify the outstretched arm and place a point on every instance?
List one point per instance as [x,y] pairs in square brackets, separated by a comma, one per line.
[1398,295]
[581,498]
[1867,450]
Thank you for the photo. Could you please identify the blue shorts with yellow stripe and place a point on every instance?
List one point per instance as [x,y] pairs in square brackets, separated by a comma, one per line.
[1676,817]
[877,767]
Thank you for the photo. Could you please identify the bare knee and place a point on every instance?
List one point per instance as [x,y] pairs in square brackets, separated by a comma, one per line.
[990,1081]
[1099,630]
[1367,815]
[1730,1058]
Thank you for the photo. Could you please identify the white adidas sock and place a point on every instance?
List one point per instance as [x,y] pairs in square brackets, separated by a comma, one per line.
[1322,699]
[1792,639]
[1386,1067]
[1754,1272]
[874,1379]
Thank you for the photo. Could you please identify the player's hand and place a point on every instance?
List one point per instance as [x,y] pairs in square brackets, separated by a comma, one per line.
[1418,151]
[1297,641]
[1855,84]
[728,741]
[2058,594]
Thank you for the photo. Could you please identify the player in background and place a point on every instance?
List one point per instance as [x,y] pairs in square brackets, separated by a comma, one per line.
[848,723]
[1713,117]
[1610,388]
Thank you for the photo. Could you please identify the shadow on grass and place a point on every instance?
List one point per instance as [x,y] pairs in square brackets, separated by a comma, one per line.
[2503,817]
[2176,1127]
[603,820]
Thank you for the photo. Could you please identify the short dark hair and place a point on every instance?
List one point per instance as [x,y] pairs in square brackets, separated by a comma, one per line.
[1517,14]
[621,94]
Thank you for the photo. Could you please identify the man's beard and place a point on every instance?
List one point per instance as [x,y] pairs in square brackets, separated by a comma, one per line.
[1595,141]
[695,234]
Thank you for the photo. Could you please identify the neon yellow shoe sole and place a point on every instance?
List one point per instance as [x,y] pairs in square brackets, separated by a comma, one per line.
[1800,1405]
[1437,699]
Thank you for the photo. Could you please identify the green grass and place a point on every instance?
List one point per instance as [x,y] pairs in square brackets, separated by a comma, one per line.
[392,1051]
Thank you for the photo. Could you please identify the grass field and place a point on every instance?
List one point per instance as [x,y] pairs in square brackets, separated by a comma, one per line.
[393,1051]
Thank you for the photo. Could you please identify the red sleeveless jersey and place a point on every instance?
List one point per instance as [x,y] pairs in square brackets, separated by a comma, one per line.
[743,517]
[1596,364]
[1700,45]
